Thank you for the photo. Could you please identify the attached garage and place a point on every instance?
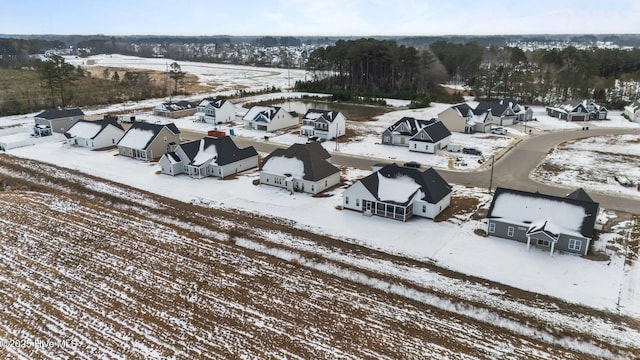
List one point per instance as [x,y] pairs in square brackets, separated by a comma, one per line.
[578,118]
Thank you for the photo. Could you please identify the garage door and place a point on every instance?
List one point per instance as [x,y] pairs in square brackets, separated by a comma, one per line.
[578,118]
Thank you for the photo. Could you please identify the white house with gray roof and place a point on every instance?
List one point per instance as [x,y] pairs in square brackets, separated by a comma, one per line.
[427,136]
[398,192]
[215,111]
[209,156]
[270,118]
[97,134]
[324,124]
[544,221]
[301,167]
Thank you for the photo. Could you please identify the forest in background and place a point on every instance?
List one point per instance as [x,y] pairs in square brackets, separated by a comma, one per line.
[350,69]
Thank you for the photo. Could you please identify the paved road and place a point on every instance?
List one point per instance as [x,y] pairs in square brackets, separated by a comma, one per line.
[512,170]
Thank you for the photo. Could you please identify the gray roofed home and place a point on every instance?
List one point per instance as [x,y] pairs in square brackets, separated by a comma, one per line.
[149,141]
[410,132]
[56,120]
[301,167]
[399,192]
[215,111]
[325,124]
[545,221]
[175,109]
[97,134]
[270,118]
[209,156]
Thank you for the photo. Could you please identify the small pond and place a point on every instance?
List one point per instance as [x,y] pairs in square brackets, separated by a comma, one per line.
[353,112]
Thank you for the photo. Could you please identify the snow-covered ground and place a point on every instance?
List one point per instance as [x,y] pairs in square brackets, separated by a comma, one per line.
[451,245]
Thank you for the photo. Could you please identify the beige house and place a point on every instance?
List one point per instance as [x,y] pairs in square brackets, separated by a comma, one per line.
[456,118]
[149,141]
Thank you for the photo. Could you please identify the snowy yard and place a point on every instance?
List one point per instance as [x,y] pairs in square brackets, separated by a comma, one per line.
[452,244]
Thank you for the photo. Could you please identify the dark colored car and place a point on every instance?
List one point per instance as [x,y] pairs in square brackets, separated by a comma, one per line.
[471,151]
[412,164]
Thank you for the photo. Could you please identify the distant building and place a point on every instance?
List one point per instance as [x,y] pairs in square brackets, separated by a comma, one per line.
[175,109]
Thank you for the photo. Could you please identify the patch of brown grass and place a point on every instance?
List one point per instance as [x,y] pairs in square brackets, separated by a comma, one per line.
[458,206]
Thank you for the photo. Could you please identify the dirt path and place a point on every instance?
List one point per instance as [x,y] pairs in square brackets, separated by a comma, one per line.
[123,271]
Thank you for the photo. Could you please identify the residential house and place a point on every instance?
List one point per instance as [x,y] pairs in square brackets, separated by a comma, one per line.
[419,135]
[499,112]
[544,221]
[209,156]
[324,124]
[175,109]
[431,138]
[301,167]
[97,134]
[270,118]
[632,111]
[456,118]
[523,112]
[399,192]
[148,141]
[56,120]
[215,111]
[578,110]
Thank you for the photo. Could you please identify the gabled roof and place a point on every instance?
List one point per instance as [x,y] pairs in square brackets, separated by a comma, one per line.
[216,103]
[581,195]
[463,109]
[141,134]
[409,126]
[313,156]
[497,108]
[90,129]
[432,186]
[261,113]
[315,114]
[177,106]
[226,151]
[436,131]
[51,114]
[572,216]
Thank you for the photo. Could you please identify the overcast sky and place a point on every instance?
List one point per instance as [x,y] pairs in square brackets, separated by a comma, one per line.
[319,17]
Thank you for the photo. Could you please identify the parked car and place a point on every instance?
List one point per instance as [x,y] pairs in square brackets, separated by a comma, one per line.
[622,180]
[499,131]
[472,151]
[412,164]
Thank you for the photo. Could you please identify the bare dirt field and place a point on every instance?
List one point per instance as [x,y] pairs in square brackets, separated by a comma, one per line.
[94,269]
[190,84]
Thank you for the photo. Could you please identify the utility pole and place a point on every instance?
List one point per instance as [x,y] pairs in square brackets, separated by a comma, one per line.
[493,159]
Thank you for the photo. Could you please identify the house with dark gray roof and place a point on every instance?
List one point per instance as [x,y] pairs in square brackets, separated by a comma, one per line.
[175,109]
[419,135]
[270,118]
[56,121]
[544,221]
[147,141]
[578,110]
[398,192]
[96,134]
[301,167]
[215,111]
[209,156]
[324,124]
[456,118]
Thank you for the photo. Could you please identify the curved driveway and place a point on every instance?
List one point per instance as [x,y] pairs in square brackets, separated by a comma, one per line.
[511,170]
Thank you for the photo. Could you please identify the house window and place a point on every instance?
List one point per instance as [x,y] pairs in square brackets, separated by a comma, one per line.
[414,146]
[357,202]
[325,183]
[544,242]
[510,230]
[492,227]
[312,189]
[575,244]
[346,200]
[424,208]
